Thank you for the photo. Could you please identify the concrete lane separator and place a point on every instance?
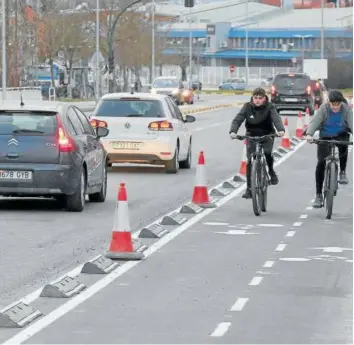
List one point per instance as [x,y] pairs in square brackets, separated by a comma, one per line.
[122,268]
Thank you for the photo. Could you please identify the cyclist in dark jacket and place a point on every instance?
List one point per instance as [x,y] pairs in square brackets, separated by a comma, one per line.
[334,120]
[261,117]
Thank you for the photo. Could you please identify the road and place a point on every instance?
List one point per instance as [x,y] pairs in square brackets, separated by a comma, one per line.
[42,242]
[287,279]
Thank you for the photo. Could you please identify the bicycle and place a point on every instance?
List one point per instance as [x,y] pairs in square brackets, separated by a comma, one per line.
[330,185]
[259,174]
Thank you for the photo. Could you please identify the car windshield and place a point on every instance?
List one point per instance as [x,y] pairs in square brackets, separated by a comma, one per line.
[165,83]
[130,108]
[292,82]
[27,123]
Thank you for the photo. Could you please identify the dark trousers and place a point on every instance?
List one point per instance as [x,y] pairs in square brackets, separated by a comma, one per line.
[267,144]
[322,152]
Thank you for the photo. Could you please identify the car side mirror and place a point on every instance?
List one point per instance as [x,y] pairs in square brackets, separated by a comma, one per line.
[102,132]
[189,119]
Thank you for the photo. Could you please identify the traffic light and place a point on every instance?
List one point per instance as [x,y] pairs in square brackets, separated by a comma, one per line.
[188,3]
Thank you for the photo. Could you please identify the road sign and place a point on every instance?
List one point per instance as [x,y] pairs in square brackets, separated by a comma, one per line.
[232,68]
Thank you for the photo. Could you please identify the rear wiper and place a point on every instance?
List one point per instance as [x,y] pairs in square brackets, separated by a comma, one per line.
[134,115]
[27,131]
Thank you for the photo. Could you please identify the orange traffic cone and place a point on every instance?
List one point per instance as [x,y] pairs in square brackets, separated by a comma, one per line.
[200,192]
[285,140]
[243,166]
[299,126]
[122,246]
[307,119]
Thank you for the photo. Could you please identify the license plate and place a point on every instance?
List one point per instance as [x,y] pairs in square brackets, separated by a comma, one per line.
[291,99]
[15,175]
[124,145]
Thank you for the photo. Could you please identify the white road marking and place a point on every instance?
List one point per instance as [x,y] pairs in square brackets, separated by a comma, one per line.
[271,225]
[294,259]
[297,224]
[221,329]
[199,129]
[303,216]
[280,247]
[56,314]
[332,249]
[309,208]
[216,223]
[255,281]
[290,233]
[240,303]
[268,264]
[313,200]
[237,232]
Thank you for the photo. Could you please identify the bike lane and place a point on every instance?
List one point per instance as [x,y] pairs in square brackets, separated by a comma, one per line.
[200,287]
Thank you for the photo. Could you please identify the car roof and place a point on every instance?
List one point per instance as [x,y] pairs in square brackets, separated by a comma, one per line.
[138,95]
[9,105]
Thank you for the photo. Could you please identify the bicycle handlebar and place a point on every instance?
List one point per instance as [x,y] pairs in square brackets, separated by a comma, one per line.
[242,137]
[333,142]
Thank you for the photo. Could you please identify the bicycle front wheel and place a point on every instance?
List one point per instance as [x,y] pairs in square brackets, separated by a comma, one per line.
[264,189]
[330,181]
[255,186]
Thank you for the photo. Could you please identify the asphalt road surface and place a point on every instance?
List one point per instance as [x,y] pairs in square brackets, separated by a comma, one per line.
[184,292]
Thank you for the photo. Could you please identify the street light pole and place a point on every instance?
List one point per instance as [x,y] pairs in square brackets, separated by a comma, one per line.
[153,42]
[246,33]
[322,29]
[98,74]
[190,46]
[3,53]
[303,48]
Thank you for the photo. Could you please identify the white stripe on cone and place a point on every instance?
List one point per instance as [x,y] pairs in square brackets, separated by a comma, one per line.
[201,176]
[122,219]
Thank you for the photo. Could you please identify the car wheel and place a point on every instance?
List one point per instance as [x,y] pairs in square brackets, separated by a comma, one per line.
[101,195]
[186,164]
[76,201]
[172,166]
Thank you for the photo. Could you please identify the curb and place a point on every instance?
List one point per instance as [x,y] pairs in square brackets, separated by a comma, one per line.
[210,108]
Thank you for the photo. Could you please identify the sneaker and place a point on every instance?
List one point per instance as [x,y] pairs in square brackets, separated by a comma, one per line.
[247,194]
[318,203]
[343,179]
[273,178]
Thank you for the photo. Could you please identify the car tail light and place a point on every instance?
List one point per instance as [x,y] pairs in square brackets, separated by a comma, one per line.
[98,123]
[273,90]
[317,85]
[65,142]
[309,90]
[160,126]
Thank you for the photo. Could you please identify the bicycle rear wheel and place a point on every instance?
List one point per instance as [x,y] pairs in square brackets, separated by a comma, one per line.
[255,186]
[330,182]
[264,189]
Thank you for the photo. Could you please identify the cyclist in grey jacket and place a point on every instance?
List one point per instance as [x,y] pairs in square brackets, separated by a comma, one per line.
[334,120]
[261,117]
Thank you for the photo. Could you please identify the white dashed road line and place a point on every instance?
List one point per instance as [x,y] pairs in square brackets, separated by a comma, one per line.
[221,329]
[255,281]
[297,224]
[280,247]
[303,216]
[290,233]
[240,303]
[268,264]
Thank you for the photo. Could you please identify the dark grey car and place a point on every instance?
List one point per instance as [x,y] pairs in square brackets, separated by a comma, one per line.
[50,149]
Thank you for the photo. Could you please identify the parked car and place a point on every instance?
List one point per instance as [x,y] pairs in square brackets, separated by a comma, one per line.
[292,91]
[145,129]
[170,86]
[233,84]
[50,149]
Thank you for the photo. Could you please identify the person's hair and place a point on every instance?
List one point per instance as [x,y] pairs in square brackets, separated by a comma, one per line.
[259,92]
[336,96]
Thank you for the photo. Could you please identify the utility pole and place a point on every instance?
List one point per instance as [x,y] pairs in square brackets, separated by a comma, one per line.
[190,4]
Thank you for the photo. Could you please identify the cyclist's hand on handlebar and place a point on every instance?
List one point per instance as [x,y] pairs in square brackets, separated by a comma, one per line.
[281,134]
[309,138]
[233,135]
